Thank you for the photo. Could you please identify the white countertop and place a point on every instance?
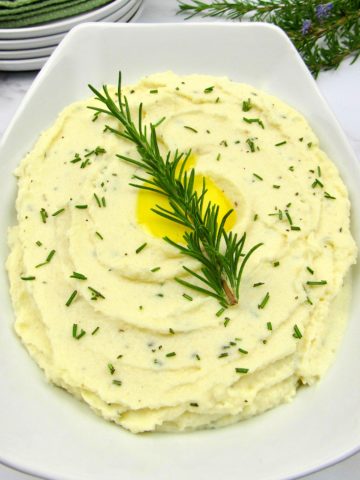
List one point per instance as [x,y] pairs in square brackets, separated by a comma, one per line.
[341,90]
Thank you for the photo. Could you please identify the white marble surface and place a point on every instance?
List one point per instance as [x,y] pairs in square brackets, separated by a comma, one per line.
[341,90]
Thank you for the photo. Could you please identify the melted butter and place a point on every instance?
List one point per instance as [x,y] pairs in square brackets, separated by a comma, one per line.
[161,227]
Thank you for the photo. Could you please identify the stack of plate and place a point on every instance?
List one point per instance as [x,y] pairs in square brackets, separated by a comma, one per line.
[28,48]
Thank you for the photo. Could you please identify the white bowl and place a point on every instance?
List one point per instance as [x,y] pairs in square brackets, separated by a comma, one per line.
[47,432]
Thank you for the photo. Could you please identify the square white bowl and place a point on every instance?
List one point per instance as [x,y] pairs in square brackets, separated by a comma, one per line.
[45,431]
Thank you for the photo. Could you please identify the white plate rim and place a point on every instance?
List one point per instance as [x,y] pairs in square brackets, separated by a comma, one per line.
[63,25]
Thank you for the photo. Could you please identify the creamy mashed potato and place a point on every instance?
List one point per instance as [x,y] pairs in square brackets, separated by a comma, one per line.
[93,284]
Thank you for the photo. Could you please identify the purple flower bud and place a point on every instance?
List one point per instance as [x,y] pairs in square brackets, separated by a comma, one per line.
[322,11]
[306,27]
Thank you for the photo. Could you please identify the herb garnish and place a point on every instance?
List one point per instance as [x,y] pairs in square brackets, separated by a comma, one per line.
[78,276]
[254,120]
[71,298]
[206,239]
[48,259]
[246,105]
[138,250]
[264,301]
[297,333]
[241,370]
[58,212]
[44,215]
[28,278]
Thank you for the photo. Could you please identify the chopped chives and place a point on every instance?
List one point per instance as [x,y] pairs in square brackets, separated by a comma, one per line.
[103,201]
[156,269]
[78,276]
[95,330]
[171,354]
[155,90]
[330,197]
[50,256]
[319,171]
[241,370]
[38,243]
[280,143]
[310,270]
[197,356]
[264,301]
[258,176]
[226,321]
[254,120]
[258,284]
[117,382]
[111,368]
[99,235]
[241,350]
[138,250]
[58,212]
[44,215]
[251,144]
[295,228]
[171,331]
[269,326]
[190,128]
[81,207]
[222,355]
[246,105]
[97,200]
[288,217]
[194,404]
[276,264]
[95,294]
[320,282]
[220,312]
[316,183]
[297,333]
[208,89]
[185,295]
[71,298]
[28,278]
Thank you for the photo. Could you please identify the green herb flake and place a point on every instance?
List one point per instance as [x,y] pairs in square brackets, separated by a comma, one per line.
[251,144]
[294,228]
[171,331]
[78,276]
[316,283]
[258,284]
[171,354]
[258,176]
[208,89]
[155,269]
[38,243]
[103,201]
[191,128]
[226,321]
[317,183]
[185,295]
[28,278]
[194,404]
[81,207]
[77,158]
[97,200]
[154,91]
[280,144]
[220,312]
[269,326]
[241,370]
[71,298]
[241,350]
[264,301]
[58,212]
[139,249]
[246,105]
[95,331]
[328,196]
[276,264]
[43,214]
[254,120]
[297,333]
[95,294]
[99,235]
[118,383]
[223,355]
[111,368]
[310,270]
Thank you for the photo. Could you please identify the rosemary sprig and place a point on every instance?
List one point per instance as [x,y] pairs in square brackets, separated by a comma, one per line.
[220,253]
[325,33]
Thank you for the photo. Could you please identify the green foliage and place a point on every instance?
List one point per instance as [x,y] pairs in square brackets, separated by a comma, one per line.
[324,33]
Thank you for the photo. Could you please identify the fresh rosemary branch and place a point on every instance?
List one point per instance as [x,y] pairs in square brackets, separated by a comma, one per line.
[220,253]
[324,33]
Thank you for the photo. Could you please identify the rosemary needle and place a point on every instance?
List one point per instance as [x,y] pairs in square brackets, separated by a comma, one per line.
[206,240]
